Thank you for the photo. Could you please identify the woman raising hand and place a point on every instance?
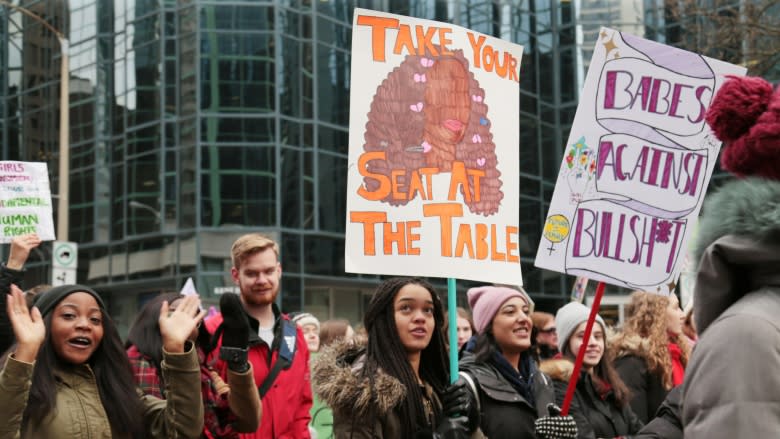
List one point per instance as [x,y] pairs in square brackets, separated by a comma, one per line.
[68,375]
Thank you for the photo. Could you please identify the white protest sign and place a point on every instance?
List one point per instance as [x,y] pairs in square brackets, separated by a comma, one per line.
[25,200]
[636,166]
[433,171]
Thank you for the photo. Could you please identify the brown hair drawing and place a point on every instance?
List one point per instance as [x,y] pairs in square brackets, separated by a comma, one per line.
[430,112]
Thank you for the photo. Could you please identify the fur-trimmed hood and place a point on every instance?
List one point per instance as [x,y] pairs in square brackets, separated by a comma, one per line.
[747,207]
[630,345]
[737,246]
[336,379]
[558,369]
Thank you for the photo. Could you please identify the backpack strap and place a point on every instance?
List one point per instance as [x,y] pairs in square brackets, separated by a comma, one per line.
[285,356]
[470,381]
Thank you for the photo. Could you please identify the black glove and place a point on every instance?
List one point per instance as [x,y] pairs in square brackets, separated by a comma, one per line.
[555,426]
[457,400]
[452,428]
[235,333]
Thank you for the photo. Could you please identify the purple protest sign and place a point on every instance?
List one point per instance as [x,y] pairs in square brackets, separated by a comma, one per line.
[636,166]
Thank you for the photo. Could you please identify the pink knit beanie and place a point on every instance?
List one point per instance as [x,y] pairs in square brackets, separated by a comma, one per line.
[745,115]
[485,302]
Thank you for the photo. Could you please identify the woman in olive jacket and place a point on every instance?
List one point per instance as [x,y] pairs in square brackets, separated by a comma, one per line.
[68,376]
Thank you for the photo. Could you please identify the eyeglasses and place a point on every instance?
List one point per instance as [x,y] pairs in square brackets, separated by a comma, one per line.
[548,330]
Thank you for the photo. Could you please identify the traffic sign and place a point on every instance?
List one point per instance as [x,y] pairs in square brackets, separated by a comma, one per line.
[63,276]
[65,255]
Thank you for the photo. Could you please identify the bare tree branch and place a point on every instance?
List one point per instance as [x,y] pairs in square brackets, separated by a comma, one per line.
[745,32]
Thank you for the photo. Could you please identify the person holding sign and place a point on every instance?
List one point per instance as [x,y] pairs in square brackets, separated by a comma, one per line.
[515,398]
[600,404]
[12,272]
[732,385]
[651,351]
[68,375]
[395,386]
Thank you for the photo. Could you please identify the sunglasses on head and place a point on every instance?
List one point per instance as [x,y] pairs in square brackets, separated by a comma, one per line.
[548,330]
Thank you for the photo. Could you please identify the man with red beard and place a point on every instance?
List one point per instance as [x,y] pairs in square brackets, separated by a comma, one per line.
[277,349]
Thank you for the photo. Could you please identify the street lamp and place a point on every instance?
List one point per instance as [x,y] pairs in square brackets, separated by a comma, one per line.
[138,205]
[64,173]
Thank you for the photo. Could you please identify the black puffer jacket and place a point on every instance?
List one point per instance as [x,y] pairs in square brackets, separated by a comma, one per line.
[667,423]
[595,417]
[647,388]
[504,412]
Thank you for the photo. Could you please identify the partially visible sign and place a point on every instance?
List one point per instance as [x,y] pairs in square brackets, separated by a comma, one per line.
[65,254]
[64,262]
[25,200]
[63,276]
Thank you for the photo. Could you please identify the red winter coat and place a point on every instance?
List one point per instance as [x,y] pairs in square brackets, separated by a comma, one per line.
[287,404]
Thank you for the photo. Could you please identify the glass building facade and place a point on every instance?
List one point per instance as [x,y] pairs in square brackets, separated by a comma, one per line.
[194,121]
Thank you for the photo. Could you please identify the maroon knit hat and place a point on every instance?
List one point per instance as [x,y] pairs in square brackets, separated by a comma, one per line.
[745,115]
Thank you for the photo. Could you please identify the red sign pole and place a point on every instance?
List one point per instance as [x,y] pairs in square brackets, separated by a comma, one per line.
[594,310]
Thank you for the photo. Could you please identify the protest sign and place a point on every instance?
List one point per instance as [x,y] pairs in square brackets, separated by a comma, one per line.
[433,151]
[636,166]
[25,200]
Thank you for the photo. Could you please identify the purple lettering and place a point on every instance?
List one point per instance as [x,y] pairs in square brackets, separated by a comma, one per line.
[676,99]
[580,229]
[702,109]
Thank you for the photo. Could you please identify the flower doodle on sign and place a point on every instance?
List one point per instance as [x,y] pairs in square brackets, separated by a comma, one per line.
[580,169]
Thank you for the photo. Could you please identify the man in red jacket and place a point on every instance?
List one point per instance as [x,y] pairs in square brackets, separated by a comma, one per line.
[277,349]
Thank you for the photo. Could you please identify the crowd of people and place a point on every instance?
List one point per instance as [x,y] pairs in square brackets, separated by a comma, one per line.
[251,371]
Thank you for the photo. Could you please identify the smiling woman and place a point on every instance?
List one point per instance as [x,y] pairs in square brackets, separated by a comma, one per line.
[600,403]
[514,396]
[82,382]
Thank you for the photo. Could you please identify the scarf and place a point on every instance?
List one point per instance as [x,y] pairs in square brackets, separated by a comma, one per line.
[678,371]
[521,381]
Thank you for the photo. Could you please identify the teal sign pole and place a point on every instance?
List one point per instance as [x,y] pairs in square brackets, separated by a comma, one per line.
[452,305]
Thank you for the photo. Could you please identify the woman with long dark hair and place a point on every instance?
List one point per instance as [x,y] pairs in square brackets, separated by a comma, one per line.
[515,398]
[229,409]
[600,402]
[395,386]
[68,376]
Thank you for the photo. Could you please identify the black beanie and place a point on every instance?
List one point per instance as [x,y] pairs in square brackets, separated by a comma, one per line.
[46,301]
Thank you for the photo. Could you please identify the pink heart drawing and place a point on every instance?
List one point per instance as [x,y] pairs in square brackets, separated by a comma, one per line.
[426,62]
[481,162]
[419,77]
[476,98]
[476,138]
[426,146]
[416,107]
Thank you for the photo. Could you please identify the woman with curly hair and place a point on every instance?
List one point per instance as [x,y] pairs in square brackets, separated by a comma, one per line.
[396,385]
[650,354]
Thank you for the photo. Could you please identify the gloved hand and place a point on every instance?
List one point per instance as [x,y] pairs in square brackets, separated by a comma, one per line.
[555,426]
[457,400]
[235,333]
[452,428]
